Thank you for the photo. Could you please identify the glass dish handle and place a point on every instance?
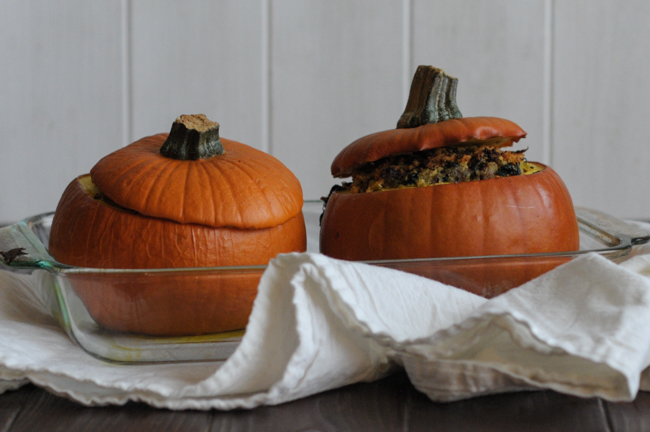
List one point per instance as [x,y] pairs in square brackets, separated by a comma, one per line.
[19,248]
[612,231]
[22,252]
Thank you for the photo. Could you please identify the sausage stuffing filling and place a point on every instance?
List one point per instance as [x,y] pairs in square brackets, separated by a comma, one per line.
[438,166]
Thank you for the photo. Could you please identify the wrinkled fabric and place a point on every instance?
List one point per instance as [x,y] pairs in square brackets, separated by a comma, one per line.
[320,323]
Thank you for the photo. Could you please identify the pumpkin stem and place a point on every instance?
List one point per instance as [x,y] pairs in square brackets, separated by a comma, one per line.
[432,98]
[193,137]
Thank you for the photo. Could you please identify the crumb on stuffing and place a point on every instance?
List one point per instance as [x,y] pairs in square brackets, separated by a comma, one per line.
[438,166]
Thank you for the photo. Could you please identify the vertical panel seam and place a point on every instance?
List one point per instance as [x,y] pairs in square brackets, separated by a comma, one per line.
[127,96]
[407,48]
[266,76]
[547,115]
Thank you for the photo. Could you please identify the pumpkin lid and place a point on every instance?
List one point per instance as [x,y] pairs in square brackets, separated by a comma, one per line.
[192,176]
[431,120]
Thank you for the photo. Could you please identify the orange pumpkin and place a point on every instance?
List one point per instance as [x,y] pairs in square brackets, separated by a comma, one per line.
[519,214]
[184,199]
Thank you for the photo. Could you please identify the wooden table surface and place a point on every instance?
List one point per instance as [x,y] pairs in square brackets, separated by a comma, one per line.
[391,404]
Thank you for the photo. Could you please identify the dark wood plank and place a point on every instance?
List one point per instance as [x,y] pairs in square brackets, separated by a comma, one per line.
[360,407]
[41,410]
[526,411]
[391,404]
[630,417]
[377,406]
[10,407]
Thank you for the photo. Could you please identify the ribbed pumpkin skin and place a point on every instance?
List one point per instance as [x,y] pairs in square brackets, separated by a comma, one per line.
[487,277]
[243,188]
[89,233]
[168,304]
[510,215]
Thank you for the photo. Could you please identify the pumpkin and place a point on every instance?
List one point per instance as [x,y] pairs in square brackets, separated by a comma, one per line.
[184,199]
[519,214]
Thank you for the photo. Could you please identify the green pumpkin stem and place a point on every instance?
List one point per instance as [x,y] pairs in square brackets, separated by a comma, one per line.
[432,98]
[193,137]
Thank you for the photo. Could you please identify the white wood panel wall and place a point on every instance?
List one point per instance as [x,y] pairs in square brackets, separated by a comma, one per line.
[301,79]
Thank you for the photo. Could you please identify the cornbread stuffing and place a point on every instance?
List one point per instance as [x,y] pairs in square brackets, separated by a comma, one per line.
[437,166]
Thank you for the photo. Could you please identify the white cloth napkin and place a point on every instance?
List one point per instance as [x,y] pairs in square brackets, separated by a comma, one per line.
[319,323]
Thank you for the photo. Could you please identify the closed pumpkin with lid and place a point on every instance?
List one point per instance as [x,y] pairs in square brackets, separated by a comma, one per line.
[184,199]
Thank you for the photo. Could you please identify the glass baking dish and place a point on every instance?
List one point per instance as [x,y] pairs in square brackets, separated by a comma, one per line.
[22,249]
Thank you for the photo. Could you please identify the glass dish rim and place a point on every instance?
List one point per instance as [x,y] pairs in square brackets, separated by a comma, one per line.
[618,241]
